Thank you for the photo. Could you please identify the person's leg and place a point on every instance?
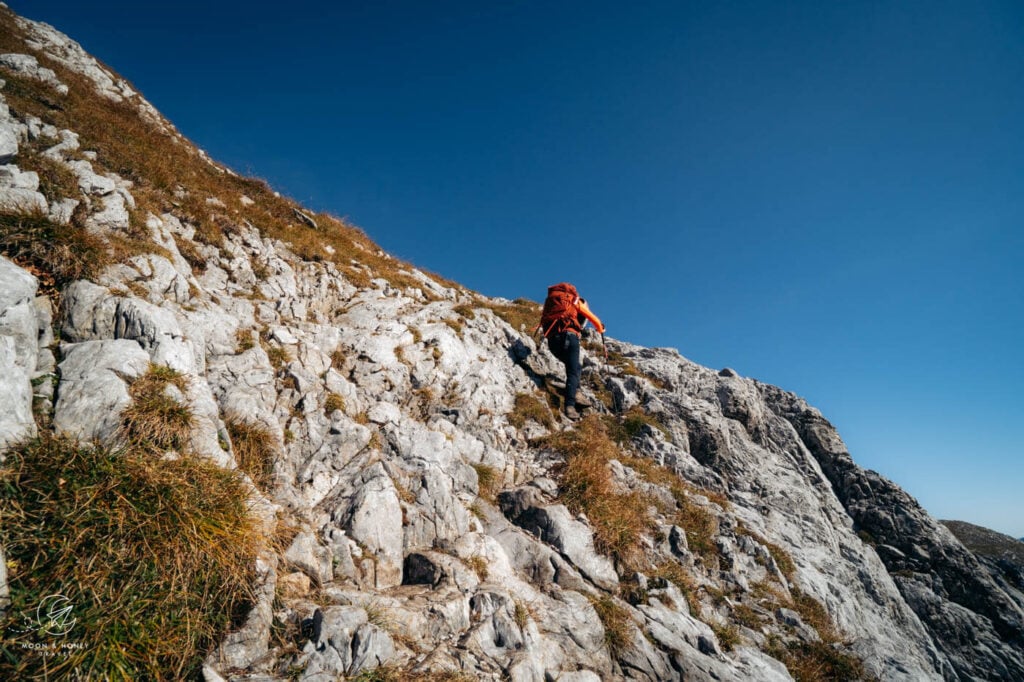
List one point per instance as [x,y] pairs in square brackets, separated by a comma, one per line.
[572,368]
[566,347]
[556,344]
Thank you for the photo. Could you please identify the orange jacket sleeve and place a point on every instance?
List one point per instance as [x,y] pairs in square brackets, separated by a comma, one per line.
[594,319]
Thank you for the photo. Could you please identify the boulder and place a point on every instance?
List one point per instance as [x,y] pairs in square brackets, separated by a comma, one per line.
[574,540]
[93,388]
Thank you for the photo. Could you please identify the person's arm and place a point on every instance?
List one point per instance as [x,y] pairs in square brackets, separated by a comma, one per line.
[594,319]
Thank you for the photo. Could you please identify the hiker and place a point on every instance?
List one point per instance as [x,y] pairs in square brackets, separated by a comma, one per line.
[562,321]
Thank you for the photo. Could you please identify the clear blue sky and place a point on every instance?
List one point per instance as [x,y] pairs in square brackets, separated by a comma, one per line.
[825,196]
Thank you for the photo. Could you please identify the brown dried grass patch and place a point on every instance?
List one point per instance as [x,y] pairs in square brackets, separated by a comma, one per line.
[619,519]
[155,557]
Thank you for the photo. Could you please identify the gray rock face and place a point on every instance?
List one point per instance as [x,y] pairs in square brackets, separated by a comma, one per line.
[19,352]
[28,65]
[973,620]
[8,143]
[18,189]
[93,390]
[554,524]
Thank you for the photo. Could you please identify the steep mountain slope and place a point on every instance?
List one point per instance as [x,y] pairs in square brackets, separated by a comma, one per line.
[427,513]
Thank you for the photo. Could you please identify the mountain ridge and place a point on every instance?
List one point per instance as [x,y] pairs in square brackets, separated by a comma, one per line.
[440,519]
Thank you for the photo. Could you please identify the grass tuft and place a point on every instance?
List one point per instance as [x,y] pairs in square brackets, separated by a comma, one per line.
[529,408]
[156,421]
[616,622]
[57,254]
[522,314]
[255,449]
[619,519]
[816,661]
[488,480]
[479,566]
[728,636]
[700,524]
[334,402]
[154,557]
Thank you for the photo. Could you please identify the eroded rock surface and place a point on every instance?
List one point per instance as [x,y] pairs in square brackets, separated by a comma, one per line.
[425,520]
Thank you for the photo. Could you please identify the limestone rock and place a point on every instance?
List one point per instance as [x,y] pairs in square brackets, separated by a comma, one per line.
[16,421]
[430,528]
[555,525]
[19,352]
[93,388]
[28,65]
[8,143]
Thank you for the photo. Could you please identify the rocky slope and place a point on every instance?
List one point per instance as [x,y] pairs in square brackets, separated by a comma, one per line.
[418,472]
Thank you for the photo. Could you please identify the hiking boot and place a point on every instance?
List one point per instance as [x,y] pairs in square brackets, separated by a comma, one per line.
[571,413]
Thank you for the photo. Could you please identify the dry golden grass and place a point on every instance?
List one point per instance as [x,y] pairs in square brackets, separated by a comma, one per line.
[522,314]
[255,449]
[479,566]
[155,557]
[244,340]
[278,355]
[782,558]
[488,481]
[817,662]
[728,636]
[55,180]
[390,673]
[700,524]
[616,622]
[619,519]
[57,254]
[745,615]
[529,408]
[156,422]
[334,402]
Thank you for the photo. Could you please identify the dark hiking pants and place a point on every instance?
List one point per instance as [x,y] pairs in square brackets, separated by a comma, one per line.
[566,347]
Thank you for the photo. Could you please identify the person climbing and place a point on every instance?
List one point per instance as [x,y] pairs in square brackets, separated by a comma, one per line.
[564,316]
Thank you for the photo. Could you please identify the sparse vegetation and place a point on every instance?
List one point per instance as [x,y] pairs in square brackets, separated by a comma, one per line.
[255,449]
[529,408]
[154,556]
[334,402]
[244,340]
[390,673]
[56,254]
[424,400]
[56,181]
[817,661]
[783,560]
[522,314]
[619,518]
[157,421]
[616,622]
[747,616]
[728,636]
[479,566]
[278,355]
[700,524]
[521,614]
[488,480]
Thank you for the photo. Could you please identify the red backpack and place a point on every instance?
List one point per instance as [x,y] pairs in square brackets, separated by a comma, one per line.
[560,311]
